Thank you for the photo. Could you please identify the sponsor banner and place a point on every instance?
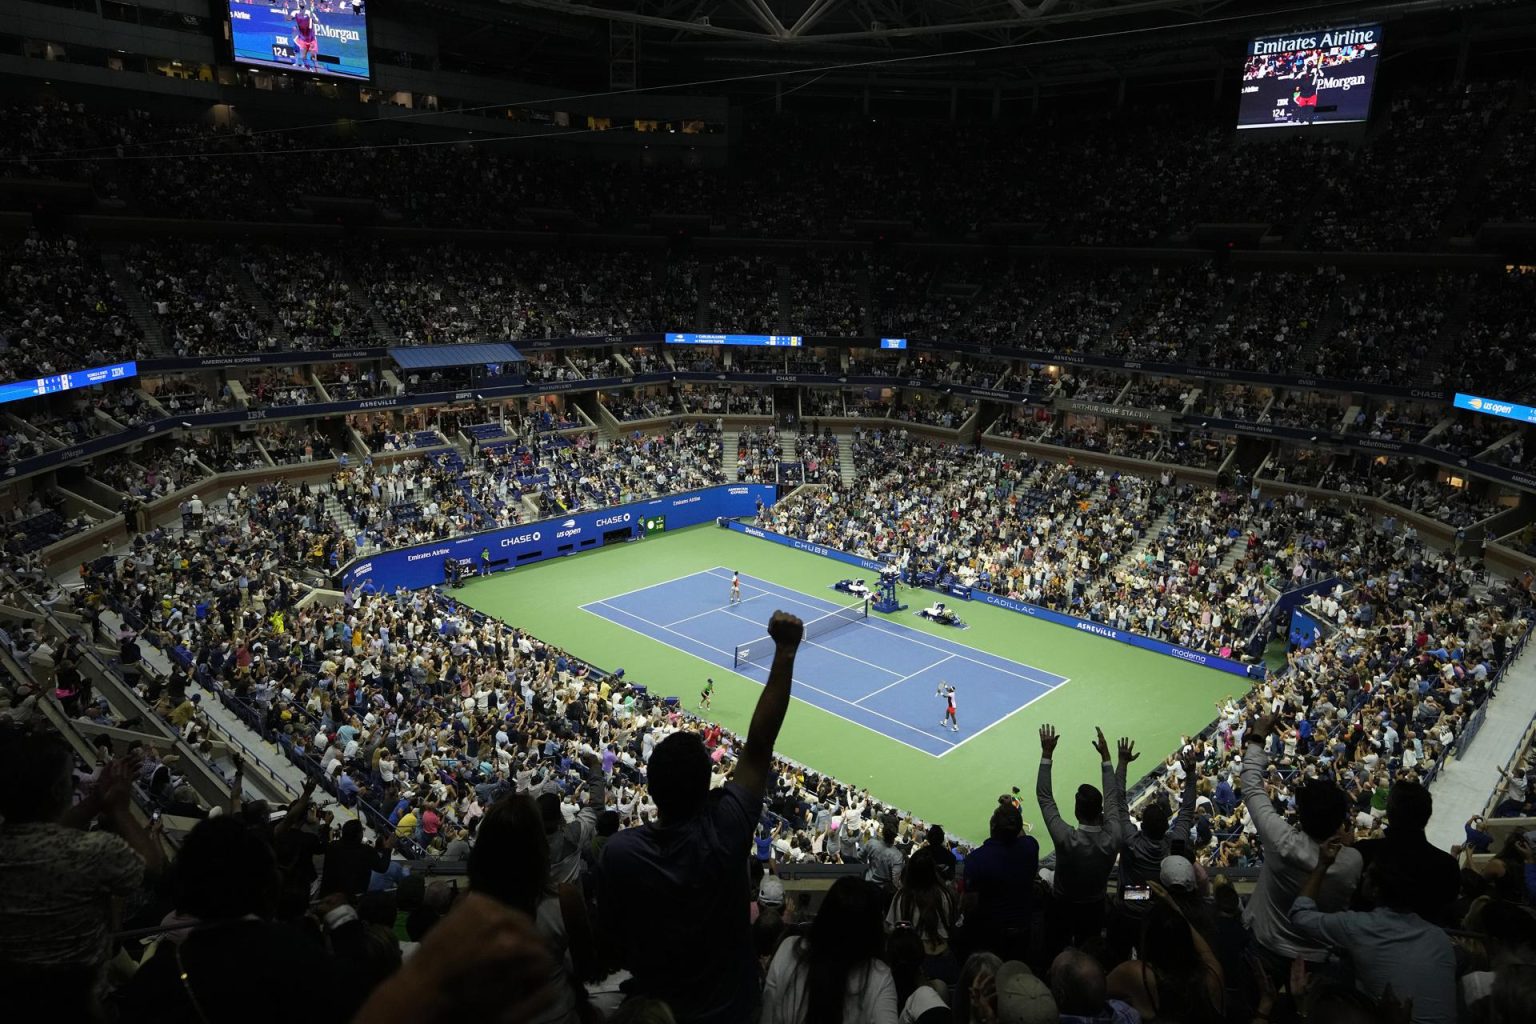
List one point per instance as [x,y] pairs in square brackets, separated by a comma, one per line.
[526,543]
[1115,412]
[1146,643]
[1210,661]
[261,359]
[800,545]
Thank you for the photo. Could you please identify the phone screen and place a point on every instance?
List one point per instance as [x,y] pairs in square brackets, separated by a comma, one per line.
[1136,893]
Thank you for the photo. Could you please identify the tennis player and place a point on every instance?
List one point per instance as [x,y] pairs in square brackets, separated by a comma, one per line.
[706,693]
[735,587]
[947,691]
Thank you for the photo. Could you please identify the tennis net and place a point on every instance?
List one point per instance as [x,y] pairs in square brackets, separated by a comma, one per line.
[762,650]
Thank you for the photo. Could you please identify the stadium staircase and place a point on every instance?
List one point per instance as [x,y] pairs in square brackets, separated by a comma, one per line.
[382,329]
[705,284]
[1462,788]
[865,293]
[845,459]
[254,298]
[729,439]
[139,307]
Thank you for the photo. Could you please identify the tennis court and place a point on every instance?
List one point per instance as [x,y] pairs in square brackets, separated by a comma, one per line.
[874,672]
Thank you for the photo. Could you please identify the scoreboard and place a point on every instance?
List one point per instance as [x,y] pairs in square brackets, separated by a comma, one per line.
[18,390]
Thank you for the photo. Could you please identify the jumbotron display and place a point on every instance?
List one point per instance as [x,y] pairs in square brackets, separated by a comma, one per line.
[1310,79]
[322,37]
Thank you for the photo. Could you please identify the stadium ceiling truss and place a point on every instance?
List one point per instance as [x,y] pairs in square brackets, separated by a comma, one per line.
[811,24]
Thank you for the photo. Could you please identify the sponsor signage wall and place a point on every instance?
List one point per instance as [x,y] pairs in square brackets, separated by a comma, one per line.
[1115,412]
[526,543]
[147,431]
[1146,643]
[1427,391]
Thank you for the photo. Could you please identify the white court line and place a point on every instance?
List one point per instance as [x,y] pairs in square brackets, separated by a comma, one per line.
[709,611]
[910,675]
[906,633]
[651,586]
[797,682]
[997,721]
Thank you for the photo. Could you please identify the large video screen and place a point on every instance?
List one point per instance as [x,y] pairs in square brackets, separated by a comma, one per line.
[323,37]
[1310,79]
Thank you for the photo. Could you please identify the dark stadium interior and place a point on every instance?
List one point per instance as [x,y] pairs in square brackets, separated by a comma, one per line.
[998,300]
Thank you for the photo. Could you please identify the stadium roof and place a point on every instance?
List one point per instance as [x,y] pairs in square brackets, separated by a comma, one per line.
[750,45]
[438,357]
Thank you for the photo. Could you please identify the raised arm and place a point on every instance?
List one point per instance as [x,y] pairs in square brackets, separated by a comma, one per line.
[1277,838]
[1057,828]
[756,760]
[1185,820]
[1115,800]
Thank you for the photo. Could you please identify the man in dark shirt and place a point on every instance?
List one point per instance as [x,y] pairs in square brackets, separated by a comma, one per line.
[1437,879]
[349,864]
[675,893]
[1000,885]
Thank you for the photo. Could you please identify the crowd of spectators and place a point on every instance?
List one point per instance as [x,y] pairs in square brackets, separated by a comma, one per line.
[59,310]
[197,302]
[468,738]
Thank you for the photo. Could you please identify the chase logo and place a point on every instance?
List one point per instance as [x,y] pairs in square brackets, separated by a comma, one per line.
[522,538]
[610,520]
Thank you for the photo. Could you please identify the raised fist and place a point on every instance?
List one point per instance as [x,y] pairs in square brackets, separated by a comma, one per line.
[786,630]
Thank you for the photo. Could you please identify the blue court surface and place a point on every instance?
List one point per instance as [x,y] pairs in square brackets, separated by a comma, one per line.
[874,672]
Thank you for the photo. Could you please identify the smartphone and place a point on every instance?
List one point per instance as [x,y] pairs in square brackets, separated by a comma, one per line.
[154,817]
[1137,893]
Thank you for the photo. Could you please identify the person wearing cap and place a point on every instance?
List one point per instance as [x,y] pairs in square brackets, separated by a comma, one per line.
[1085,855]
[770,896]
[1012,995]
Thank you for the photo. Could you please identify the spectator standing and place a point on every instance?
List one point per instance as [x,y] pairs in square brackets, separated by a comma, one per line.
[349,863]
[1391,947]
[883,862]
[1290,855]
[1085,855]
[1409,806]
[1000,885]
[698,955]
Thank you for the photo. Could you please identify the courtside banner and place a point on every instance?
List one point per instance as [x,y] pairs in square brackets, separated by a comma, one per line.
[801,545]
[1146,643]
[512,546]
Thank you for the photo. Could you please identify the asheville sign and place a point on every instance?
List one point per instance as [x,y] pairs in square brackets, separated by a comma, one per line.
[1146,643]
